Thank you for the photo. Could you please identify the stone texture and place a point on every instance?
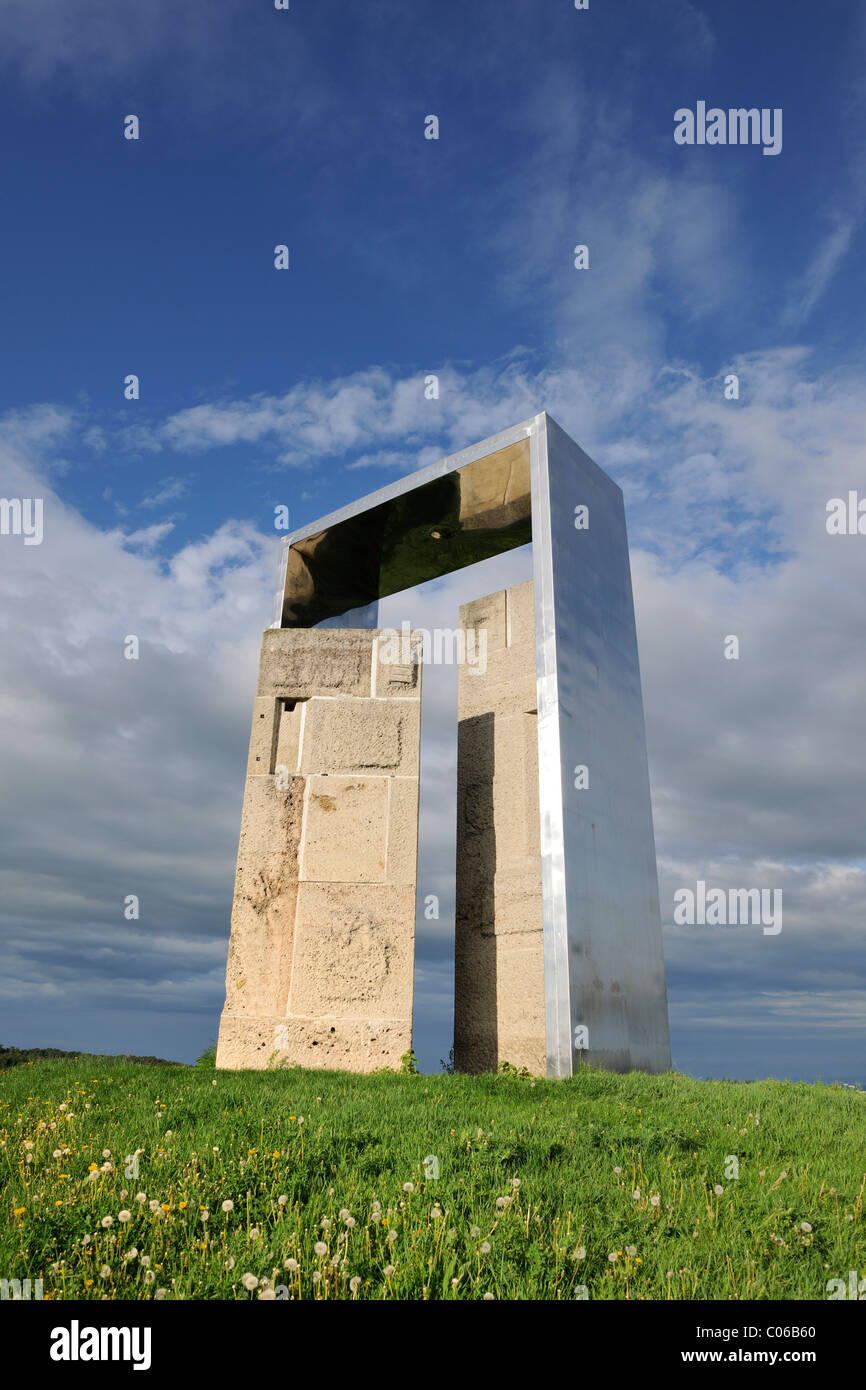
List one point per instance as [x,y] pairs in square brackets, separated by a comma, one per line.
[499,1000]
[353,953]
[321,956]
[345,830]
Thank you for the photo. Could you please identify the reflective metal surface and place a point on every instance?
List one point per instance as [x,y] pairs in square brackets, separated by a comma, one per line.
[604,963]
[389,543]
[604,967]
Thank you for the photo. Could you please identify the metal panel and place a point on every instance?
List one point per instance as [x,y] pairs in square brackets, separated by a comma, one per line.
[616,980]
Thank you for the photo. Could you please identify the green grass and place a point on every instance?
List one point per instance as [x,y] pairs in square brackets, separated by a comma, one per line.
[539,1184]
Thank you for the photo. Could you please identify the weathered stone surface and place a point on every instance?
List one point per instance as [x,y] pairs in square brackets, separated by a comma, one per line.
[345,830]
[402,848]
[262,737]
[318,1043]
[488,613]
[391,678]
[353,951]
[344,735]
[499,1001]
[297,663]
[321,957]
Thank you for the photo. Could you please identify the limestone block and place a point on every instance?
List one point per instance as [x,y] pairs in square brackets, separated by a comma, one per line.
[262,737]
[521,614]
[506,687]
[297,663]
[359,736]
[488,613]
[353,951]
[271,827]
[345,830]
[290,722]
[317,1043]
[402,847]
[391,678]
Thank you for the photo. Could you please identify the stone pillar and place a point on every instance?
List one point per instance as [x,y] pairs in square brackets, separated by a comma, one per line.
[499,1000]
[321,958]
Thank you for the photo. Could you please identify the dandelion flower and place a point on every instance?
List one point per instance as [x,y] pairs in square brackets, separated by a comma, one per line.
[655,1201]
[503,1202]
[149,1276]
[631,1250]
[292,1266]
[617,1170]
[141,1196]
[249,1281]
[107,1221]
[105,1272]
[355,1283]
[408,1187]
[316,1276]
[804,1226]
[281,1201]
[228,1205]
[350,1222]
[106,1153]
[389,1270]
[475,1232]
[718,1189]
[230,1262]
[58,1153]
[320,1247]
[484,1247]
[268,1295]
[124,1216]
[488,1297]
[392,1236]
[160,1293]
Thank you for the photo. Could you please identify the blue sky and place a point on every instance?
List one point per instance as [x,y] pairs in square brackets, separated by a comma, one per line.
[258,387]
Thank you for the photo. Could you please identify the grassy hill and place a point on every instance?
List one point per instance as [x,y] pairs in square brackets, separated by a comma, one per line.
[622,1186]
